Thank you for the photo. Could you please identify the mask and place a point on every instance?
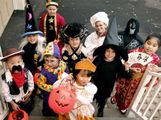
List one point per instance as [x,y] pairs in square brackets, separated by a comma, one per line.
[16,68]
[132,28]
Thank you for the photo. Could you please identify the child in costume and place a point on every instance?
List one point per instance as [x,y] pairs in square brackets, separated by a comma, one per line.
[125,89]
[129,38]
[109,67]
[17,83]
[33,42]
[53,69]
[51,22]
[100,22]
[85,90]
[73,36]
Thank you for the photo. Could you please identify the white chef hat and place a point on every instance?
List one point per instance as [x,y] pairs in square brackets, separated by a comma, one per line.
[99,16]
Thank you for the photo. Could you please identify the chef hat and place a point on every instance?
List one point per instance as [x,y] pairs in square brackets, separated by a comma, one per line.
[99,16]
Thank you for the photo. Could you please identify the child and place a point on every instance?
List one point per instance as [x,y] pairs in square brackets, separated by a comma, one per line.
[129,38]
[33,42]
[73,35]
[126,88]
[51,22]
[109,66]
[17,83]
[85,90]
[53,69]
[100,22]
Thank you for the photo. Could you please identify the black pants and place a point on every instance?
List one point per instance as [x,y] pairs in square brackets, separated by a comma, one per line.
[47,111]
[26,106]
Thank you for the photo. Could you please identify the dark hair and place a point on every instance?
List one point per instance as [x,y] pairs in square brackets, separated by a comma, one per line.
[87,72]
[114,48]
[154,35]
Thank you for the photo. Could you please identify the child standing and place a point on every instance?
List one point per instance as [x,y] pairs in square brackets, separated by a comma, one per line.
[109,66]
[53,69]
[99,22]
[126,88]
[73,35]
[33,42]
[51,22]
[85,90]
[129,38]
[17,83]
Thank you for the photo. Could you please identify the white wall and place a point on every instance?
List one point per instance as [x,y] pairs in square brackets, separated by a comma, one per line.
[6,9]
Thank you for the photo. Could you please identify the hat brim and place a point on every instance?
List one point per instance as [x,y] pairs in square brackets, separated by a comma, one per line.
[32,33]
[122,52]
[21,52]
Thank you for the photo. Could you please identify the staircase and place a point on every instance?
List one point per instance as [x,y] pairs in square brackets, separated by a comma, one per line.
[110,113]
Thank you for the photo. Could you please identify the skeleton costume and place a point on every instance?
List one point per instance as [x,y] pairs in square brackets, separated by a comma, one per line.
[129,39]
[69,54]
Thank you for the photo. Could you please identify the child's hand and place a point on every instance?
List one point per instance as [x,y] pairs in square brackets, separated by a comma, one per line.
[27,96]
[14,106]
[127,67]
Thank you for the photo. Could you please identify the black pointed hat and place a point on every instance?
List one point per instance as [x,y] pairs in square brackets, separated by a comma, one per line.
[30,26]
[111,39]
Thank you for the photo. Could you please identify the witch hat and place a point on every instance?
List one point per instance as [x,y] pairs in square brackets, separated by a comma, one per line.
[30,26]
[111,39]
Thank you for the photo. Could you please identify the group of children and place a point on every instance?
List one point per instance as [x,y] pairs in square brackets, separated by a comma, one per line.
[64,49]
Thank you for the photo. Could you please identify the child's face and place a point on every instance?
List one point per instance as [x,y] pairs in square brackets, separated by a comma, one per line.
[151,46]
[32,38]
[51,61]
[14,61]
[109,55]
[82,79]
[101,27]
[52,10]
[74,42]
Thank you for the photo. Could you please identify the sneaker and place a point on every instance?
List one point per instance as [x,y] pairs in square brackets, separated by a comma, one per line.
[100,114]
[123,111]
[113,100]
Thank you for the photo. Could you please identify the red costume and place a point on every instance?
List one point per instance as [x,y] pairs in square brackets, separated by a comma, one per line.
[52,24]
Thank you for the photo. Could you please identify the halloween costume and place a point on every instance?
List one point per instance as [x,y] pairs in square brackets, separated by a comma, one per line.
[93,40]
[51,25]
[16,86]
[129,38]
[73,55]
[125,89]
[49,76]
[83,109]
[12,92]
[32,51]
[107,72]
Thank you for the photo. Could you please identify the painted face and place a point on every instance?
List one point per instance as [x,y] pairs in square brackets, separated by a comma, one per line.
[32,38]
[15,63]
[151,46]
[52,10]
[51,61]
[74,42]
[109,55]
[82,79]
[101,27]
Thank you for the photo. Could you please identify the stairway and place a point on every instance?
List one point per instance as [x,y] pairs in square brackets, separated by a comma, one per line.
[110,113]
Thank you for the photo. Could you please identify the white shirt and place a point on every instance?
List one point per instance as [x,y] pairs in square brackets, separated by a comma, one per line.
[5,88]
[91,43]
